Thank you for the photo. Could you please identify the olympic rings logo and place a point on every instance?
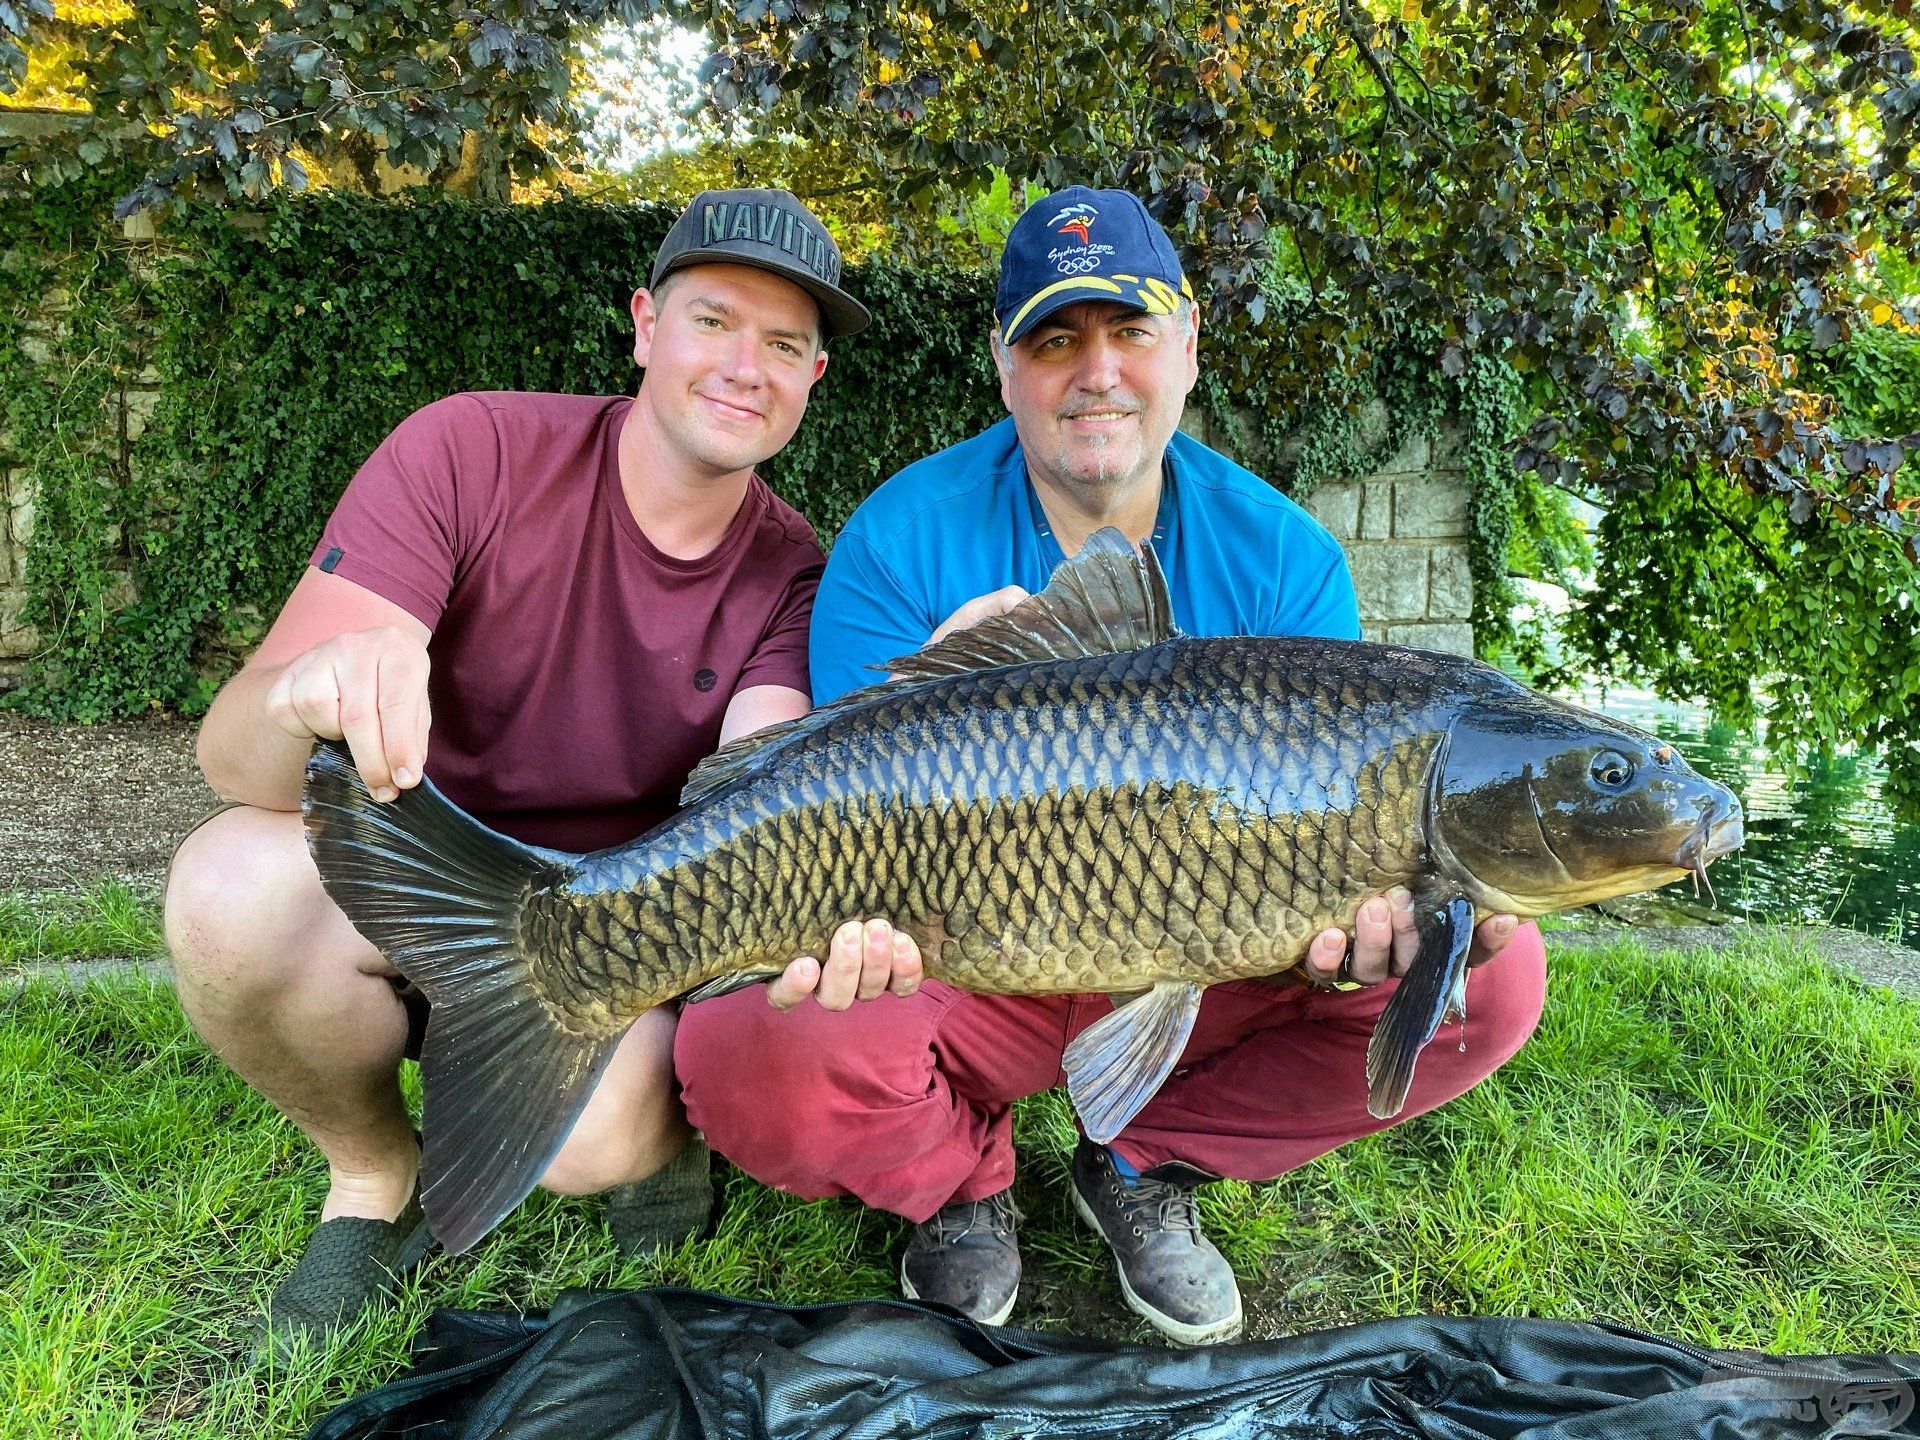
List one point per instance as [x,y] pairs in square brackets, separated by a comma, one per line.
[1077,264]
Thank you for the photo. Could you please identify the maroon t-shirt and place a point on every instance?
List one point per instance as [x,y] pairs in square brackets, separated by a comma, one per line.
[578,673]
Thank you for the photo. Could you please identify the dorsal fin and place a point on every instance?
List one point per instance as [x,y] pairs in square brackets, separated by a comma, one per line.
[733,757]
[1106,600]
[736,756]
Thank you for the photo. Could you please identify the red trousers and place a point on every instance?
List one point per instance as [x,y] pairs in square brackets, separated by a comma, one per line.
[905,1104]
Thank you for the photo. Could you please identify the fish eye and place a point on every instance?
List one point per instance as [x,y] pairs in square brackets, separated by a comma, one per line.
[1611,770]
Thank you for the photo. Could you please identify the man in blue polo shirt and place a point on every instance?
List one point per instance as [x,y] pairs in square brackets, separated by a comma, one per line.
[906,1101]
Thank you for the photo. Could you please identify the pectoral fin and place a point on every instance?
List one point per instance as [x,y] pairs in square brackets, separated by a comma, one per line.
[727,984]
[1116,1064]
[1435,987]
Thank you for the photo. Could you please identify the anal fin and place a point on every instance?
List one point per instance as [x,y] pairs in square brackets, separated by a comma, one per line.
[1116,1064]
[1434,987]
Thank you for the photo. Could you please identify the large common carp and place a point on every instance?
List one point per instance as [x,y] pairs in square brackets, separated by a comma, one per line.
[1070,797]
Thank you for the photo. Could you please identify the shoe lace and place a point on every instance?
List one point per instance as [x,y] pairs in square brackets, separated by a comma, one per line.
[1161,1205]
[995,1214]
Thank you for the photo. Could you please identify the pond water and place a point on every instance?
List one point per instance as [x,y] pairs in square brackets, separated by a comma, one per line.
[1824,848]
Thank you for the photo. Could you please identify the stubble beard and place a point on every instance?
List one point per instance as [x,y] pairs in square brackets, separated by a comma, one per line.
[1106,474]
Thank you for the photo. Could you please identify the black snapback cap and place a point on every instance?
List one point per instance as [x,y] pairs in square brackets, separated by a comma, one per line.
[770,230]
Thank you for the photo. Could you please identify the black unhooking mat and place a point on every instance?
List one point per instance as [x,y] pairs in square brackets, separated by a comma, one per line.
[677,1364]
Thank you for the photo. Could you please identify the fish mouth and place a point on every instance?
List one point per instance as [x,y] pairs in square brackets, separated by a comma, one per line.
[1721,830]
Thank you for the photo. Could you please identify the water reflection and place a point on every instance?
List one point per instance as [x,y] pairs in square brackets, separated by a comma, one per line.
[1823,849]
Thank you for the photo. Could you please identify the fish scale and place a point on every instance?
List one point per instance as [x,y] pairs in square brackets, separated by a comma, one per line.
[979,815]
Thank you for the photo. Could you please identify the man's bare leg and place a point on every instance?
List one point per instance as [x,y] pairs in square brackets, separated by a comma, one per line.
[633,1124]
[290,996]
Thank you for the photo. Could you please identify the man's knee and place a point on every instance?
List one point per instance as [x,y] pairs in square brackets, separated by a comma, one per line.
[629,1146]
[633,1124]
[738,1047]
[863,1078]
[244,907]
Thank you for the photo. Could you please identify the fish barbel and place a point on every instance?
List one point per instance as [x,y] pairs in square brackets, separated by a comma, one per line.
[1068,798]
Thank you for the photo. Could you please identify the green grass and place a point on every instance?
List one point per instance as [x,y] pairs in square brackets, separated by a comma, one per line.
[1719,1147]
[110,919]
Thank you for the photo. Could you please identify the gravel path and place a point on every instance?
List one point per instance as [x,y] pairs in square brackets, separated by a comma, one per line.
[1878,962]
[79,803]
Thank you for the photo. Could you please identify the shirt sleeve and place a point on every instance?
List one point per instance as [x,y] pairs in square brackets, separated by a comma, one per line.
[864,617]
[1321,601]
[411,512]
[781,656]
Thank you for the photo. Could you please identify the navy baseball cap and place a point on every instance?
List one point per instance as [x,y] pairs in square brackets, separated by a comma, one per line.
[1080,244]
[769,230]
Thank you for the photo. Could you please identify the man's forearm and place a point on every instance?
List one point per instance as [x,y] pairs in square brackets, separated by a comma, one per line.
[243,753]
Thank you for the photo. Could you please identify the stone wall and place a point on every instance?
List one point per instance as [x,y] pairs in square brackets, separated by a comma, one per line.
[1403,525]
[108,447]
[18,640]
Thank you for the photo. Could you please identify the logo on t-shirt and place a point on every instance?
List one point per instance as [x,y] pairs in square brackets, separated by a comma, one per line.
[704,680]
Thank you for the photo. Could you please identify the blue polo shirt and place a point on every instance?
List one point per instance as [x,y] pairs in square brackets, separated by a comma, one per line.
[1240,558]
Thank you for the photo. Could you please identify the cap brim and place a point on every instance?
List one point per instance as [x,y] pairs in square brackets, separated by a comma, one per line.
[845,315]
[1153,297]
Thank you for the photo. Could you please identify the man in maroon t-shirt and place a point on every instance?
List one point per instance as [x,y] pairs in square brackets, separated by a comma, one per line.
[586,595]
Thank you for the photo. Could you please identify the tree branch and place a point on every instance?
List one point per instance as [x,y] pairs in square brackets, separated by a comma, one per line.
[1735,529]
[1387,88]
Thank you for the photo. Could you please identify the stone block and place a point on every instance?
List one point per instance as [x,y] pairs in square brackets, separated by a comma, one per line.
[1453,639]
[1430,508]
[1336,505]
[140,404]
[1390,580]
[37,351]
[1371,425]
[137,226]
[17,640]
[1412,458]
[1376,514]
[1449,450]
[20,513]
[1193,422]
[1449,583]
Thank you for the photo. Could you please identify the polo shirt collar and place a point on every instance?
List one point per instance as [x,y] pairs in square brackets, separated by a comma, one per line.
[1166,519]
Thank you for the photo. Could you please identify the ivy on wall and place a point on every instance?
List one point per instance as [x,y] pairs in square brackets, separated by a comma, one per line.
[286,343]
[58,396]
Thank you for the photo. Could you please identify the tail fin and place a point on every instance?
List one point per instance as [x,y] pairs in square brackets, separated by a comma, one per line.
[441,896]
